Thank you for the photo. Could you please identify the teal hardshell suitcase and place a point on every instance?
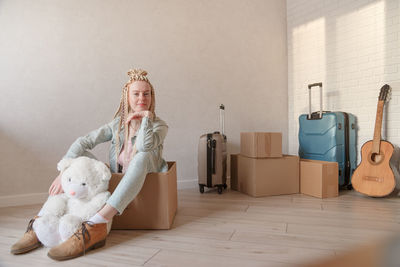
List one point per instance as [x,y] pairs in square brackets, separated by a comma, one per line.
[329,136]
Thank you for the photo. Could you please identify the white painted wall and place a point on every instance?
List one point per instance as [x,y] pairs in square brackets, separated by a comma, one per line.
[63,64]
[353,47]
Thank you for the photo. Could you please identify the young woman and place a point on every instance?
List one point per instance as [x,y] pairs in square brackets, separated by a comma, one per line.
[137,137]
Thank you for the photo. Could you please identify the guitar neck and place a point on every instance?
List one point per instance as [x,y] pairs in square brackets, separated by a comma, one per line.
[378,126]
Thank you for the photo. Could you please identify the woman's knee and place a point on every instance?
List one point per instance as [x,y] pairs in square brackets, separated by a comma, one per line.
[141,162]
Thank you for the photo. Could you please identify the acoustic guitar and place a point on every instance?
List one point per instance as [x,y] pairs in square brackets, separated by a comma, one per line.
[374,176]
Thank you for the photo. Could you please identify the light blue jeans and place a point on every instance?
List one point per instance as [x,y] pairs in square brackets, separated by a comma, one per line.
[132,182]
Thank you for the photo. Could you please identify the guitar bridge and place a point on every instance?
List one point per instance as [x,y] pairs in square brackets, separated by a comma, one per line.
[373,179]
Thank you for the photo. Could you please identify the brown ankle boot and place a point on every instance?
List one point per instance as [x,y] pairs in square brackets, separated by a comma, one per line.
[28,242]
[90,236]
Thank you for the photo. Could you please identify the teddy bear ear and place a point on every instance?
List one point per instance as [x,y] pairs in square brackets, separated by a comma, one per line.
[103,171]
[63,164]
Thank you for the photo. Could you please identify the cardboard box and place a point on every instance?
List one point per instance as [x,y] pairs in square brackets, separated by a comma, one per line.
[156,204]
[319,178]
[261,145]
[265,177]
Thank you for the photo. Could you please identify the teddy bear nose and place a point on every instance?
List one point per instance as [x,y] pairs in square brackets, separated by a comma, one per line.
[72,193]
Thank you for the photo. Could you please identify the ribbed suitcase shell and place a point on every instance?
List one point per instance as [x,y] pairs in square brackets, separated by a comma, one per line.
[212,156]
[325,139]
[219,178]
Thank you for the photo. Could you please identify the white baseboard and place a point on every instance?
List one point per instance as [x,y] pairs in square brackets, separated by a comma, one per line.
[194,183]
[185,184]
[23,199]
[39,198]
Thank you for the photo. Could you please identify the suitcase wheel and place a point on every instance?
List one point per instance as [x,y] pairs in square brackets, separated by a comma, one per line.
[201,188]
[349,187]
[220,189]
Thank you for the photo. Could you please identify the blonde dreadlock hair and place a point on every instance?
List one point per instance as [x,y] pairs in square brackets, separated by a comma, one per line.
[124,109]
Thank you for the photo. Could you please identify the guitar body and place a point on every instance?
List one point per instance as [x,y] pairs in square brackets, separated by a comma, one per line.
[374,176]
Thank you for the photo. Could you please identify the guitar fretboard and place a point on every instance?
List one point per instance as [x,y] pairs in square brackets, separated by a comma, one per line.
[378,126]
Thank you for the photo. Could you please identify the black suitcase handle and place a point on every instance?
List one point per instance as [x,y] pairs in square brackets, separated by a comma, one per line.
[213,147]
[211,156]
[310,114]
[314,84]
[222,120]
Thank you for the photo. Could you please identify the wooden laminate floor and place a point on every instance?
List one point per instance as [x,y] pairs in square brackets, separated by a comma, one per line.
[231,229]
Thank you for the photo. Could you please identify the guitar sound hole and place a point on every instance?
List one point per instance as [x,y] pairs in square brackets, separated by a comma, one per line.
[376,158]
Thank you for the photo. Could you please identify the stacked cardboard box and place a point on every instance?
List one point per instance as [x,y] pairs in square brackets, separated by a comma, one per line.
[260,169]
[319,178]
[261,145]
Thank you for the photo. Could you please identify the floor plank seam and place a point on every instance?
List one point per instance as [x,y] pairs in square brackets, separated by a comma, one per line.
[284,246]
[158,251]
[230,238]
[242,242]
[220,254]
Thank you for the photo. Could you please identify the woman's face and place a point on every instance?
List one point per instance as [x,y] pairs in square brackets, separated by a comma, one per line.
[139,96]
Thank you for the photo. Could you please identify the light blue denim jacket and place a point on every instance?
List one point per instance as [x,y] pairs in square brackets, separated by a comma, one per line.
[149,138]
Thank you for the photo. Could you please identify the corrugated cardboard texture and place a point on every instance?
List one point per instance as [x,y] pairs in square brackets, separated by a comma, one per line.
[156,204]
[268,176]
[261,145]
[319,178]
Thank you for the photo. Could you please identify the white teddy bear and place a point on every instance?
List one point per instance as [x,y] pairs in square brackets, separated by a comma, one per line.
[85,184]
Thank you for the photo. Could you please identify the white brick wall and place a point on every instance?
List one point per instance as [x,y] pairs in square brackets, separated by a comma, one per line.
[353,47]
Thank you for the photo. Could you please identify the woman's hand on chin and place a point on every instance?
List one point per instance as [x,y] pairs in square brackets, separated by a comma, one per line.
[148,114]
[138,115]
